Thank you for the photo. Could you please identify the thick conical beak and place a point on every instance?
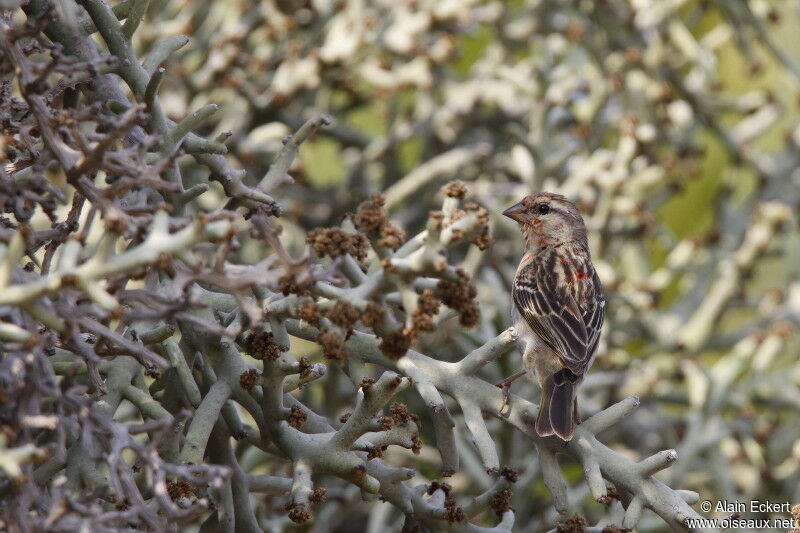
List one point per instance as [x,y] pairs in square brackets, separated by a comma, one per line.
[516,212]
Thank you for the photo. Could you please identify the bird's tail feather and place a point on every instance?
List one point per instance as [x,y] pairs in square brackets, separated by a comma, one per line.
[543,425]
[558,410]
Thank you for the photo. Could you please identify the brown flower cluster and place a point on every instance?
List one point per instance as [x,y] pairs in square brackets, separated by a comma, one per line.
[501,501]
[400,414]
[249,379]
[422,317]
[394,345]
[455,189]
[377,452]
[438,217]
[261,345]
[298,513]
[385,423]
[344,314]
[372,218]
[309,312]
[179,488]
[320,495]
[483,239]
[305,367]
[335,242]
[332,346]
[373,315]
[510,474]
[416,444]
[291,283]
[460,296]
[452,512]
[371,215]
[436,485]
[392,236]
[297,417]
[611,528]
[576,524]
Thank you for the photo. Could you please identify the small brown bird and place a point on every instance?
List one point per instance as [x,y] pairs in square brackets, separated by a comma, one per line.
[558,307]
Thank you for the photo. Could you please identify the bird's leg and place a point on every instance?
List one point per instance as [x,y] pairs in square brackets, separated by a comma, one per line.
[505,386]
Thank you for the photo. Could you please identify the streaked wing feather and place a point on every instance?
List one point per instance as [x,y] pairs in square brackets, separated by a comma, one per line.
[567,317]
[593,317]
[535,318]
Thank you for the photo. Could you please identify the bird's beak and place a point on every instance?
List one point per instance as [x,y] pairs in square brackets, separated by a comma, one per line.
[516,212]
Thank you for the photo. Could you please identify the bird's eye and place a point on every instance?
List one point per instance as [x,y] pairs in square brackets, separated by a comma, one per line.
[543,209]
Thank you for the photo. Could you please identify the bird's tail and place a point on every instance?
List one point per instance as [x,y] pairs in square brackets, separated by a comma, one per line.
[558,410]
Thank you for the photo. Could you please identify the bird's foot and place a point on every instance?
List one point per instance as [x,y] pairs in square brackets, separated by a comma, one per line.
[505,387]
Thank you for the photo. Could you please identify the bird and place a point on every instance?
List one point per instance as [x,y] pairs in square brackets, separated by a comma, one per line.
[558,308]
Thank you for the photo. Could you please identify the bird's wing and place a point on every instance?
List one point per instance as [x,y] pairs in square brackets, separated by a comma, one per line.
[593,313]
[566,316]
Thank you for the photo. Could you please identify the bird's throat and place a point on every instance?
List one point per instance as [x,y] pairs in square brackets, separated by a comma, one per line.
[536,240]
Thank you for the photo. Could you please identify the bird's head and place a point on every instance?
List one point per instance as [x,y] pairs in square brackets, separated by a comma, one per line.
[547,219]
